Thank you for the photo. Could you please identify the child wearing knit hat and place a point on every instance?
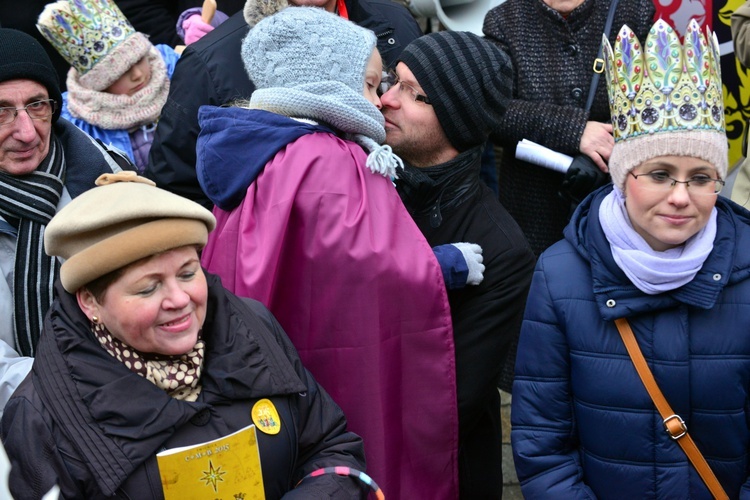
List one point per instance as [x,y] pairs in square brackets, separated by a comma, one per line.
[118,81]
[310,224]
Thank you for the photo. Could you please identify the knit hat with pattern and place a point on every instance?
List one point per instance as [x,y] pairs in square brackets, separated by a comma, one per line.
[467,80]
[96,39]
[125,219]
[307,45]
[309,63]
[22,57]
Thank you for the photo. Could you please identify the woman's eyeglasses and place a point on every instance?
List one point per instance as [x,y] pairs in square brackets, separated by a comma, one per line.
[697,184]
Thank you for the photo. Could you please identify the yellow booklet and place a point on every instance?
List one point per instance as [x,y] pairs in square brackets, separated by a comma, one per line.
[227,468]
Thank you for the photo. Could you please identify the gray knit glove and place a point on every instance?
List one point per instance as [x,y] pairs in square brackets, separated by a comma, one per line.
[473,255]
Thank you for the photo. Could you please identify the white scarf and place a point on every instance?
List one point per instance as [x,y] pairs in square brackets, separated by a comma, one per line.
[651,271]
[121,112]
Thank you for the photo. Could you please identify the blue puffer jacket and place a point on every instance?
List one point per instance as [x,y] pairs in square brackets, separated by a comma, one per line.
[583,424]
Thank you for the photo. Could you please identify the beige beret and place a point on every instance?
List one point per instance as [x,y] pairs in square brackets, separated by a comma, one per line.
[124,219]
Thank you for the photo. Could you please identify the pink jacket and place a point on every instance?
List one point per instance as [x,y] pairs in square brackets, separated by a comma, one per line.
[329,248]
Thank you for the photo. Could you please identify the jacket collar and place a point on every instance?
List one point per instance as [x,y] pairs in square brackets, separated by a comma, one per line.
[617,297]
[436,190]
[83,386]
[364,15]
[235,144]
[576,20]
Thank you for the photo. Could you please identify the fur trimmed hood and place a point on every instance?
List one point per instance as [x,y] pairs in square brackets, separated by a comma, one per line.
[257,10]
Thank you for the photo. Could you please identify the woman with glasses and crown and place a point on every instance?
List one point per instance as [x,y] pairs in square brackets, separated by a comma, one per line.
[633,369]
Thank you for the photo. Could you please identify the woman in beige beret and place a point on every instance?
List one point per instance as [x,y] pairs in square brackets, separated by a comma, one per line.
[143,352]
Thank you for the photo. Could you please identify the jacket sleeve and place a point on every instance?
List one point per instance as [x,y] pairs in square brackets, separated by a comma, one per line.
[544,434]
[741,33]
[36,462]
[323,438]
[13,369]
[172,157]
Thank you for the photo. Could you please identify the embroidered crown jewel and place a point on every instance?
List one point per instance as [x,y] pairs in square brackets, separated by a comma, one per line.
[664,86]
[84,31]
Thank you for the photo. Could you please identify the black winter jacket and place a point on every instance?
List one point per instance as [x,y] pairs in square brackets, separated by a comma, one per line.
[552,61]
[81,419]
[487,317]
[211,72]
[158,18]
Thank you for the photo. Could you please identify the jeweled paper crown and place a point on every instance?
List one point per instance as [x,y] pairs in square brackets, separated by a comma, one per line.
[664,85]
[84,31]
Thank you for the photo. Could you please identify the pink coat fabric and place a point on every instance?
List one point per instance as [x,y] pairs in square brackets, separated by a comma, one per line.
[329,248]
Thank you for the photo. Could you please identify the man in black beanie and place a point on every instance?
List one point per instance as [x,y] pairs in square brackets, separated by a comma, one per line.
[446,94]
[44,162]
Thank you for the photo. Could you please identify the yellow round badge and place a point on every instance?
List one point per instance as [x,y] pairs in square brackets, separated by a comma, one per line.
[265,417]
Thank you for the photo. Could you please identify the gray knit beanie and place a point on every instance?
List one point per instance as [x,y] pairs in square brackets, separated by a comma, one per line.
[22,57]
[333,49]
[467,79]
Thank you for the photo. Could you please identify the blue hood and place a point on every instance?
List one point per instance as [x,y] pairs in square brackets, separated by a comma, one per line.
[234,146]
[585,234]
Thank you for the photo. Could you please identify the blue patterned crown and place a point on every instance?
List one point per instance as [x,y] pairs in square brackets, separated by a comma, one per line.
[664,86]
[84,31]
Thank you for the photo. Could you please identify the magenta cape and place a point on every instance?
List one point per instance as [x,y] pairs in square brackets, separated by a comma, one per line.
[329,248]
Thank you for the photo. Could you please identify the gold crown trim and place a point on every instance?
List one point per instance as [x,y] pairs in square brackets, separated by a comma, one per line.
[664,86]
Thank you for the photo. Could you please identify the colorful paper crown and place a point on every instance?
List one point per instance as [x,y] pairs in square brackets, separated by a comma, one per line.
[84,31]
[664,86]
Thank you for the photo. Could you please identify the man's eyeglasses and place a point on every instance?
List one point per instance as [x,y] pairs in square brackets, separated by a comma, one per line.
[390,79]
[697,184]
[38,110]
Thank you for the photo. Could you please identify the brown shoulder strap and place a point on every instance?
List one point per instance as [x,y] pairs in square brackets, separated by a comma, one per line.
[674,425]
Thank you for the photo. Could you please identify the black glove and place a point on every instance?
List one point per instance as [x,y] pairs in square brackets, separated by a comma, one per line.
[583,177]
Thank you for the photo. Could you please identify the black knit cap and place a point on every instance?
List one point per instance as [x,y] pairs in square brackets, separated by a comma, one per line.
[23,57]
[467,80]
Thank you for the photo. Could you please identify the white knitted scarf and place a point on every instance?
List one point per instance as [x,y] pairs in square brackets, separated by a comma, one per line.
[650,271]
[121,112]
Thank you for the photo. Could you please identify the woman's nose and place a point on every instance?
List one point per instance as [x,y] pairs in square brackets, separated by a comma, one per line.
[176,298]
[679,194]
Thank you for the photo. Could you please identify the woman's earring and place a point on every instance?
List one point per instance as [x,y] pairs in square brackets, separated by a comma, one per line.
[95,320]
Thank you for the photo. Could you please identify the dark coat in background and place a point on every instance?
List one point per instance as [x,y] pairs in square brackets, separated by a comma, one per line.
[552,61]
[22,16]
[211,72]
[486,317]
[84,421]
[158,18]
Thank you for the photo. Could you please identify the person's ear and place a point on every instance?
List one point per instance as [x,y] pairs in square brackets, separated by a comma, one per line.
[88,304]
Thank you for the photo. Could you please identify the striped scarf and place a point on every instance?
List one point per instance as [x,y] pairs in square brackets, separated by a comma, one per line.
[28,202]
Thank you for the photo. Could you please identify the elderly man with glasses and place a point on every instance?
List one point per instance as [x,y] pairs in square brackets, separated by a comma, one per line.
[44,163]
[440,103]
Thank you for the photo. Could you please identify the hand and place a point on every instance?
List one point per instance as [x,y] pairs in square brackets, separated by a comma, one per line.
[473,256]
[582,177]
[597,143]
[195,29]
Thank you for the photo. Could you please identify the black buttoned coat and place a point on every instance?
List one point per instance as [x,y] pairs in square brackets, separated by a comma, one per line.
[552,60]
